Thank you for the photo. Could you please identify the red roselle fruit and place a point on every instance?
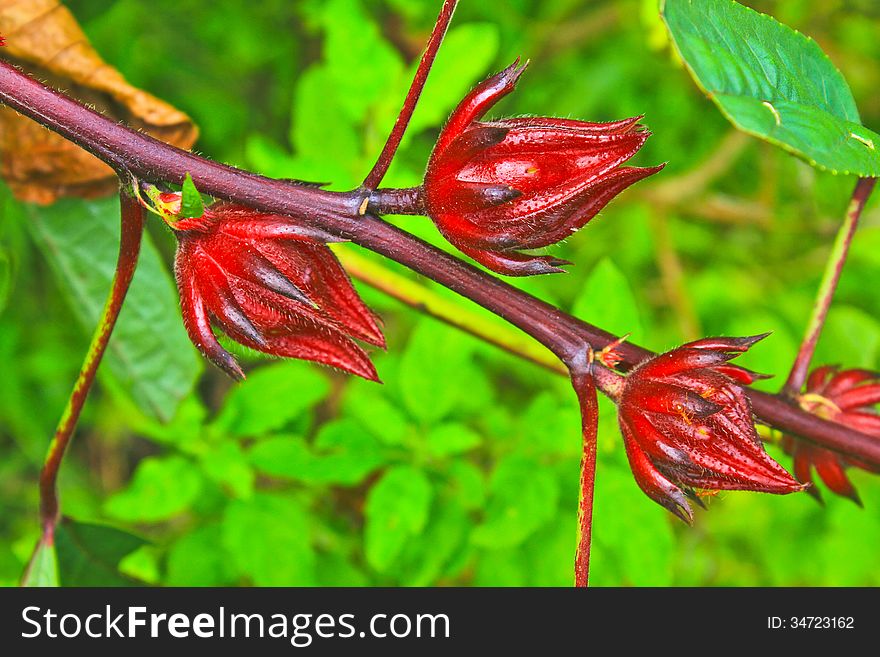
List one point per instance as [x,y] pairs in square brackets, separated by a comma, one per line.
[494,188]
[687,425]
[844,396]
[270,284]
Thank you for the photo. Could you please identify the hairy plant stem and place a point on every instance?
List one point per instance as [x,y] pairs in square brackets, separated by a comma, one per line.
[339,213]
[377,173]
[828,286]
[585,388]
[132,224]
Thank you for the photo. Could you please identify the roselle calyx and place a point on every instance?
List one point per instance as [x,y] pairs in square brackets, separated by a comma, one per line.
[269,283]
[844,396]
[495,188]
[687,426]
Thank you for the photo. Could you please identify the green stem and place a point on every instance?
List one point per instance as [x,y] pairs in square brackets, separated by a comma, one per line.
[828,287]
[129,248]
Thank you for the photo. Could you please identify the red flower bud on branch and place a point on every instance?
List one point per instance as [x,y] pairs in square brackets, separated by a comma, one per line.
[270,284]
[844,396]
[494,188]
[687,425]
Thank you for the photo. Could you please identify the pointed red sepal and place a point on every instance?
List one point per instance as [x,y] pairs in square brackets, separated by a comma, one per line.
[688,425]
[271,284]
[844,396]
[496,189]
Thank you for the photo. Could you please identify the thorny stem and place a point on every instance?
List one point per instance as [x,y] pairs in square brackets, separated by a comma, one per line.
[132,221]
[412,97]
[338,213]
[828,286]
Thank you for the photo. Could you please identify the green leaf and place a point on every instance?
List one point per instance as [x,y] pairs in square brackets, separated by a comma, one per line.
[160,489]
[42,571]
[343,453]
[396,510]
[89,555]
[466,484]
[370,406]
[450,439]
[608,301]
[196,560]
[227,465]
[773,82]
[358,59]
[550,552]
[149,353]
[268,540]
[524,497]
[5,278]
[271,397]
[320,127]
[632,535]
[335,570]
[191,205]
[502,568]
[425,556]
[435,370]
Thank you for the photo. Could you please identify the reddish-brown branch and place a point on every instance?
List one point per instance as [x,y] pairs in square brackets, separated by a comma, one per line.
[132,224]
[377,173]
[585,388]
[148,159]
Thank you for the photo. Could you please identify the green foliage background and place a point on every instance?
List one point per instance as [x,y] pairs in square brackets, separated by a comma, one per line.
[462,469]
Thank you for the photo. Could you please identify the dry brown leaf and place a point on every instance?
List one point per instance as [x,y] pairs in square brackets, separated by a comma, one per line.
[43,38]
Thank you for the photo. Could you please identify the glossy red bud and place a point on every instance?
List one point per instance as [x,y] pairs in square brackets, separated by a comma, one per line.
[844,396]
[496,188]
[687,425]
[270,284]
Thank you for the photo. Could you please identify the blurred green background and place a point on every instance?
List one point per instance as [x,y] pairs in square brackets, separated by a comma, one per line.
[462,469]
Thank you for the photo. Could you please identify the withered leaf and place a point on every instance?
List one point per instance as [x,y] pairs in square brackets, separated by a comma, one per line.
[44,39]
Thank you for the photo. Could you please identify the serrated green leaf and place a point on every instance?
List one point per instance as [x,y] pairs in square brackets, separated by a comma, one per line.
[42,570]
[434,371]
[773,82]
[320,126]
[371,407]
[396,510]
[449,439]
[196,559]
[506,567]
[335,570]
[271,397]
[466,483]
[631,548]
[149,353]
[227,465]
[89,555]
[5,278]
[343,453]
[268,540]
[359,60]
[608,301]
[191,205]
[550,426]
[160,489]
[550,552]
[524,496]
[425,557]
